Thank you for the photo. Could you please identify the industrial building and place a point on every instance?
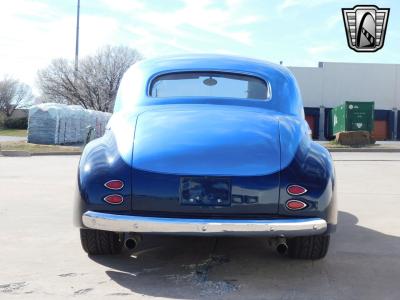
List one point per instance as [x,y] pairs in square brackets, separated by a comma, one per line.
[331,84]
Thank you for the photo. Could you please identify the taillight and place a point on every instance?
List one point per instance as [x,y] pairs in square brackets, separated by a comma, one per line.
[114,184]
[296,190]
[295,204]
[114,199]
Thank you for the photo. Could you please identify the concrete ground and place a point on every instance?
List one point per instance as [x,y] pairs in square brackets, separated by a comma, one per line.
[41,256]
[4,138]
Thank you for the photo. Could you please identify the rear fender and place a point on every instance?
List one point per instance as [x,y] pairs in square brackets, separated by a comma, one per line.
[312,168]
[99,163]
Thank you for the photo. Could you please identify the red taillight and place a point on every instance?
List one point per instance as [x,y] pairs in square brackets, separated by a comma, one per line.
[296,190]
[114,184]
[295,204]
[114,199]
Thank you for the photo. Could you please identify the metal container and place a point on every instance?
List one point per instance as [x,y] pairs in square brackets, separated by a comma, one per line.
[353,116]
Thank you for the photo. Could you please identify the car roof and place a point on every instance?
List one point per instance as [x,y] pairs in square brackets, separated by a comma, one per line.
[220,62]
[137,80]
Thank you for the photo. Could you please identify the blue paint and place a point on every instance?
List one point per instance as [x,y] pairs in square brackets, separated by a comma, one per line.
[177,135]
[260,146]
[313,169]
[99,163]
[207,140]
[134,89]
[159,194]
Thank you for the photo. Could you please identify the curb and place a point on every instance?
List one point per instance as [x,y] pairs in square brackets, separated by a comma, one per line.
[382,150]
[14,153]
[54,153]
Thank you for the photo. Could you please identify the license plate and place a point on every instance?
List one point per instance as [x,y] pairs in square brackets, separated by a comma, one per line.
[209,191]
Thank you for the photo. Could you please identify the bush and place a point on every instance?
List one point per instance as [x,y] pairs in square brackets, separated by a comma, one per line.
[2,119]
[19,123]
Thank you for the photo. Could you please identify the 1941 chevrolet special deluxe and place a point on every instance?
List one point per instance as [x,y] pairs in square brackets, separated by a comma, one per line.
[207,145]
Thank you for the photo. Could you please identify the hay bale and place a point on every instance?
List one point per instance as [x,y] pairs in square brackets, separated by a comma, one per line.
[58,124]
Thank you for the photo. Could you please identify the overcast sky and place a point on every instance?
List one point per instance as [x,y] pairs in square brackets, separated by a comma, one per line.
[300,33]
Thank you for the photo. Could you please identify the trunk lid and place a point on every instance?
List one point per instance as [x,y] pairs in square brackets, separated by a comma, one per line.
[208,140]
[206,148]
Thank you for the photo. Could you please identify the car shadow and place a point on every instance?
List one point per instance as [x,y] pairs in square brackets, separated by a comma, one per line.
[361,264]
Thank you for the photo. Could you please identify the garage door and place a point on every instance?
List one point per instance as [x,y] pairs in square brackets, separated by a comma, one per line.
[380,131]
[311,122]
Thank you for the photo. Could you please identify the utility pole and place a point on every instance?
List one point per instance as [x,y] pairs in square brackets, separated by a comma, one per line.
[77,36]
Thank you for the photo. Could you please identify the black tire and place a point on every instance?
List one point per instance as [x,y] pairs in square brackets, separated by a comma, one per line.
[308,247]
[99,242]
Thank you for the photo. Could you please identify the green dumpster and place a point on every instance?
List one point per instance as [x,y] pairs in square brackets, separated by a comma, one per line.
[353,116]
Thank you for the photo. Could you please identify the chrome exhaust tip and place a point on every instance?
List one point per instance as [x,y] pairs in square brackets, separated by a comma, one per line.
[279,243]
[131,242]
[282,248]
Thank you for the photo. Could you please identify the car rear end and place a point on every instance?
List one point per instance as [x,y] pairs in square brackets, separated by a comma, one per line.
[214,166]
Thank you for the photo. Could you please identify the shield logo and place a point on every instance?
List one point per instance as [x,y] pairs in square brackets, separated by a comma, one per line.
[365,27]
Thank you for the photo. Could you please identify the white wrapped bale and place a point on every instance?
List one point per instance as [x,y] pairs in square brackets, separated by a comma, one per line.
[53,123]
[43,123]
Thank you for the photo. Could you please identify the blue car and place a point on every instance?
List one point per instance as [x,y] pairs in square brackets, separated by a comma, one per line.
[207,145]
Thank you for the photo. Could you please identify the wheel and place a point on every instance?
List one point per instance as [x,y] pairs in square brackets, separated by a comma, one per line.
[99,242]
[308,247]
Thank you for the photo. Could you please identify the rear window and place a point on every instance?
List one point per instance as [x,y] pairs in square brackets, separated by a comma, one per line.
[210,84]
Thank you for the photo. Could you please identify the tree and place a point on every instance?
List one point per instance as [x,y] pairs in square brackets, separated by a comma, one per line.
[13,94]
[94,85]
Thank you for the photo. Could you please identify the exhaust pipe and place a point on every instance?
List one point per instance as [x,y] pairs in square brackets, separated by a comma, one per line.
[282,248]
[280,245]
[131,242]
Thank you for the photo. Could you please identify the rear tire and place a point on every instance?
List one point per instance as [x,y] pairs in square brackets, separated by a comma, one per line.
[308,247]
[99,242]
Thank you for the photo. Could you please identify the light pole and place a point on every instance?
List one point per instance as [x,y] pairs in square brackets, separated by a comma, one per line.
[77,36]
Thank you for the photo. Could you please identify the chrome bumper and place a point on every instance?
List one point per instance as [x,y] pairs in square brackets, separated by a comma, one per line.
[273,227]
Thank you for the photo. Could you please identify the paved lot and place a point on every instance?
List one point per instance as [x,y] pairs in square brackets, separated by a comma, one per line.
[41,257]
[4,138]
